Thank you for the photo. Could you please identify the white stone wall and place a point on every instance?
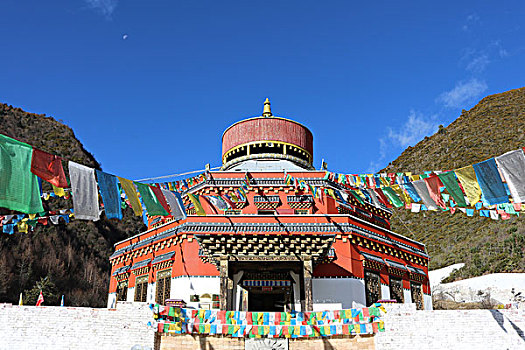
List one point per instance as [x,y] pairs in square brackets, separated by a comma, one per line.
[31,327]
[409,329]
[55,327]
[342,291]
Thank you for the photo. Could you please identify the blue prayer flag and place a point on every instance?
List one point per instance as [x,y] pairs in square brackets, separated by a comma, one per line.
[108,187]
[490,182]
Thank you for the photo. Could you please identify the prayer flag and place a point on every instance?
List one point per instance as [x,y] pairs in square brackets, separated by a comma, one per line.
[197,204]
[410,189]
[131,193]
[512,166]
[40,299]
[392,197]
[20,301]
[152,203]
[84,191]
[176,205]
[433,185]
[451,184]
[108,187]
[48,167]
[19,188]
[59,191]
[422,190]
[467,178]
[489,180]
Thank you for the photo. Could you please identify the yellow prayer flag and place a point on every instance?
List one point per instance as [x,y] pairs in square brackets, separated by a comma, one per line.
[207,328]
[197,204]
[357,328]
[266,330]
[415,177]
[297,330]
[22,227]
[236,328]
[131,193]
[402,194]
[59,191]
[357,181]
[384,181]
[31,216]
[468,180]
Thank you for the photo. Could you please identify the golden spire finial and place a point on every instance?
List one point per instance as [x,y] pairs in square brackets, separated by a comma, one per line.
[267,111]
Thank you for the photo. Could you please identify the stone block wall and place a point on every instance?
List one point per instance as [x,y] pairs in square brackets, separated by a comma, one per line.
[30,327]
[55,327]
[406,328]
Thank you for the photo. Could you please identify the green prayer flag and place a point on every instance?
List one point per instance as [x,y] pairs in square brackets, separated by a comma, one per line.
[392,197]
[19,188]
[230,329]
[171,311]
[153,206]
[451,184]
[357,196]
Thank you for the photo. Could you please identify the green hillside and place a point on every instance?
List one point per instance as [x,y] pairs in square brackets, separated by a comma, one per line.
[72,258]
[494,126]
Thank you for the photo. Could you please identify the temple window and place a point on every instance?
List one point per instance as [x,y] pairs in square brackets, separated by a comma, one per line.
[163,286]
[396,289]
[141,288]
[122,291]
[417,295]
[372,287]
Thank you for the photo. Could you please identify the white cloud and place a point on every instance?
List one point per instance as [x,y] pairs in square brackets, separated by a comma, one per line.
[105,7]
[470,21]
[478,64]
[463,93]
[415,128]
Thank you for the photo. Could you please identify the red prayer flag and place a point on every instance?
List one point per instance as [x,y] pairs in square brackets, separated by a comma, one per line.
[48,167]
[433,184]
[346,330]
[40,299]
[365,312]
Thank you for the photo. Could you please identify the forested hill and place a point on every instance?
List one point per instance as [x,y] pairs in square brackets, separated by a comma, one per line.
[494,126]
[67,259]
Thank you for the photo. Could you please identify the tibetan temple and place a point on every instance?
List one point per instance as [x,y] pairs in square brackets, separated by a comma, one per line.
[278,247]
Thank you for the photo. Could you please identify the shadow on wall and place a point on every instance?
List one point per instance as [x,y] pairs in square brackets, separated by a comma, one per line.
[500,319]
[327,345]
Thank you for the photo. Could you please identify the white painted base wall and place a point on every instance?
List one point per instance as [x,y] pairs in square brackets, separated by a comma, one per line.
[183,287]
[385,291]
[341,291]
[427,302]
[407,296]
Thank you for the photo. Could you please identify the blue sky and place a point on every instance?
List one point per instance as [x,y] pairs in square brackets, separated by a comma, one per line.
[149,86]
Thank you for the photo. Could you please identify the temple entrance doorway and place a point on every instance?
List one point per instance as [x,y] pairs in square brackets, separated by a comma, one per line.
[265,301]
[266,285]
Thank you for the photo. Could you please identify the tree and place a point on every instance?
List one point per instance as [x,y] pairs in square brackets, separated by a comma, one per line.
[49,290]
